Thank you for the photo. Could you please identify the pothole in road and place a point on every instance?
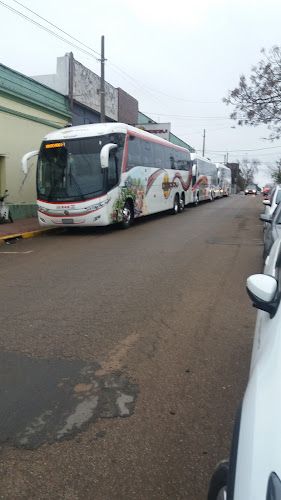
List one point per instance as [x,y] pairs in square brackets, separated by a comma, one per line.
[49,400]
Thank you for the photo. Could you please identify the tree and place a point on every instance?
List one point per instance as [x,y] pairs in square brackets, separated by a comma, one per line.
[248,168]
[275,171]
[259,101]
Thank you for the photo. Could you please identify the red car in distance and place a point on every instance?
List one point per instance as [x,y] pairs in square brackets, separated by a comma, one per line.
[267,188]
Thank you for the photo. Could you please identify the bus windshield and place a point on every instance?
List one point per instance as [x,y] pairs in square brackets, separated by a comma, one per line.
[71,170]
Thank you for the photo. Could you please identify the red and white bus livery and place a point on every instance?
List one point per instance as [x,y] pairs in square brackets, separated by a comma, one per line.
[224,177]
[99,174]
[204,179]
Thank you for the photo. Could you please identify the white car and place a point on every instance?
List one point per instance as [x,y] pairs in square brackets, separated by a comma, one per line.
[273,201]
[254,469]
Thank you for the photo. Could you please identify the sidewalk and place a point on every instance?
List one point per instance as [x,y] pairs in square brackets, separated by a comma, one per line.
[23,228]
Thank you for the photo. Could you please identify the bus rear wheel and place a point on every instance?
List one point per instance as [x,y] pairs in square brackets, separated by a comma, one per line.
[127,216]
[182,203]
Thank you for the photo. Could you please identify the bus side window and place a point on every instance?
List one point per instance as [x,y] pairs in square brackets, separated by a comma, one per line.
[177,155]
[147,153]
[159,155]
[185,163]
[172,160]
[112,172]
[134,158]
[167,163]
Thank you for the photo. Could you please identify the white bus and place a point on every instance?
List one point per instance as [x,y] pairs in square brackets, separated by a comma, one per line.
[95,175]
[224,176]
[204,179]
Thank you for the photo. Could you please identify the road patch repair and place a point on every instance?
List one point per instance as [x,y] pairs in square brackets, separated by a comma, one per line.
[48,400]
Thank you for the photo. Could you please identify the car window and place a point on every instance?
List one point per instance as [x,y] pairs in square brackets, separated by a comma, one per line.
[278,196]
[272,194]
[277,215]
[270,191]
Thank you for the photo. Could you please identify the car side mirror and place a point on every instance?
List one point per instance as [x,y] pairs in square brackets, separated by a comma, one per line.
[262,290]
[267,202]
[265,218]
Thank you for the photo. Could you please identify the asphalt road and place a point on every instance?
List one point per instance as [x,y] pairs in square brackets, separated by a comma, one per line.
[124,354]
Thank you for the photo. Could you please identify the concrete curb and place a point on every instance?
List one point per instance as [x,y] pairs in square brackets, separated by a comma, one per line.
[28,234]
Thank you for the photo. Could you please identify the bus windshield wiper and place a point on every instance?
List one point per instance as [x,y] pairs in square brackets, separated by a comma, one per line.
[76,184]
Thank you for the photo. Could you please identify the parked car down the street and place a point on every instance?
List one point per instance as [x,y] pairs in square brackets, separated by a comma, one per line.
[273,202]
[272,230]
[267,188]
[251,189]
[254,469]
[267,196]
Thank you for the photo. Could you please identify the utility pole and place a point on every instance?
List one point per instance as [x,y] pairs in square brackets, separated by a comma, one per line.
[204,135]
[71,64]
[102,92]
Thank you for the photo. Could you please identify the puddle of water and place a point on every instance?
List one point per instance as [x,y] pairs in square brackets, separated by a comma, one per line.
[52,399]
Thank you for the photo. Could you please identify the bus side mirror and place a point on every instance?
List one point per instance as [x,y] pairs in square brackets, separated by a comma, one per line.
[194,170]
[104,154]
[25,158]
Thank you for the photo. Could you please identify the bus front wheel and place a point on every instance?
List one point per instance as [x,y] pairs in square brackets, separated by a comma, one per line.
[127,216]
[176,207]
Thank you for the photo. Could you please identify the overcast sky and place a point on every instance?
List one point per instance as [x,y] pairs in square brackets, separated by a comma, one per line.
[178,58]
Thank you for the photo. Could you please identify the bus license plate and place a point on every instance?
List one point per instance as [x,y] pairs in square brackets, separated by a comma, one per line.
[67,221]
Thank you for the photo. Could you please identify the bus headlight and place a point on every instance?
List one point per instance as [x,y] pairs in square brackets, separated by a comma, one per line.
[97,206]
[42,209]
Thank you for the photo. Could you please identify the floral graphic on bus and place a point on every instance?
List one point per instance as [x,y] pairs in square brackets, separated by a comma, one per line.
[133,189]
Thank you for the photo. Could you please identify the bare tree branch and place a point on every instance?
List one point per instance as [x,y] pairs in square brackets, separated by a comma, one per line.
[260,100]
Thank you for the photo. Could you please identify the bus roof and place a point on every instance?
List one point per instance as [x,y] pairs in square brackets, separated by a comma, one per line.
[96,129]
[195,156]
[221,165]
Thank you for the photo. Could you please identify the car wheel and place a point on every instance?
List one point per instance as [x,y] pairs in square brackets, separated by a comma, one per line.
[175,209]
[218,483]
[127,216]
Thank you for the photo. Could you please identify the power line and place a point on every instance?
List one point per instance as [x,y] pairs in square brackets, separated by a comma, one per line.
[70,36]
[241,150]
[141,86]
[159,92]
[181,99]
[189,116]
[46,29]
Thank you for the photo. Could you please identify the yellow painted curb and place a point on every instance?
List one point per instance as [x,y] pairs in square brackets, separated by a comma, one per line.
[29,234]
